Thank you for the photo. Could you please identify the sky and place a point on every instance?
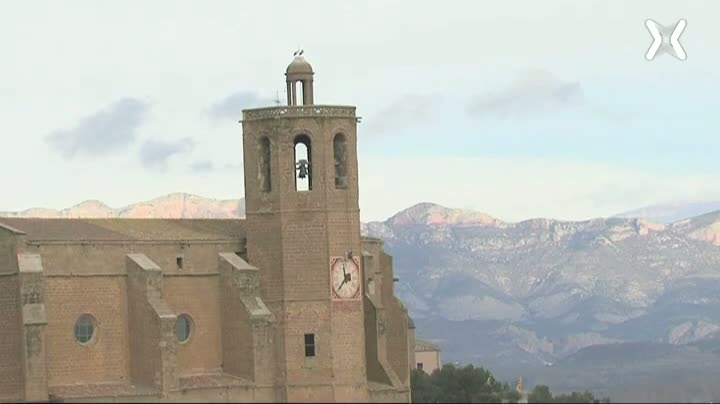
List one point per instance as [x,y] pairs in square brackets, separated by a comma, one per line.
[519,109]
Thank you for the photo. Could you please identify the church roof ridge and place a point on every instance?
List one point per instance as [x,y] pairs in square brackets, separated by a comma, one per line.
[125,229]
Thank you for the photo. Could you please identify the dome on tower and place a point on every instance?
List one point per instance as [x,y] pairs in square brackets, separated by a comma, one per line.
[299,66]
[299,79]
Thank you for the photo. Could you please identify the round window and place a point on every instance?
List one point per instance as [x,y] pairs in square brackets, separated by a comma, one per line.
[84,328]
[183,327]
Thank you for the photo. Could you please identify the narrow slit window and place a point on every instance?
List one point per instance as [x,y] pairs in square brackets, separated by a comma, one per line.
[309,345]
[340,153]
[242,252]
[264,170]
[303,164]
[179,262]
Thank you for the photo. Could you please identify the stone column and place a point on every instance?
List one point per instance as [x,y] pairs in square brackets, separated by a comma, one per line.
[294,93]
[289,93]
[308,91]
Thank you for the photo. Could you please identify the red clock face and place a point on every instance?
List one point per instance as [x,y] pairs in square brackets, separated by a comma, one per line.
[345,278]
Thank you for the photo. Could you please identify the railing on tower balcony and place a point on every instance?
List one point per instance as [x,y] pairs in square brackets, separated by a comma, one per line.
[339,111]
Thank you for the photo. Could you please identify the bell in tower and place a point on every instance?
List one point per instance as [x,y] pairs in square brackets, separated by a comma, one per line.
[299,77]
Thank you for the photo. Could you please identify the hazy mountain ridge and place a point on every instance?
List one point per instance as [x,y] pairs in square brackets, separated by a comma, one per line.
[672,211]
[563,303]
[562,285]
[175,205]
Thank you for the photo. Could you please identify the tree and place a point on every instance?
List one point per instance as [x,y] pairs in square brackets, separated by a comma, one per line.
[540,394]
[469,384]
[575,397]
[423,390]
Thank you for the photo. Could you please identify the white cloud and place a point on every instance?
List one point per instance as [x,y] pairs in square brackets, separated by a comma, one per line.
[230,107]
[536,91]
[405,112]
[202,167]
[106,131]
[154,154]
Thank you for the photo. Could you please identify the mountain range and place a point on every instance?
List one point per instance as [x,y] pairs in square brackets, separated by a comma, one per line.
[672,211]
[175,205]
[544,299]
[619,304]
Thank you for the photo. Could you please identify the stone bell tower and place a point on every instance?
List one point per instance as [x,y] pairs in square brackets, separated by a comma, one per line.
[303,226]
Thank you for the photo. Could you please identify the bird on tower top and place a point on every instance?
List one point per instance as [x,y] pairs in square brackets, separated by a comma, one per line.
[299,65]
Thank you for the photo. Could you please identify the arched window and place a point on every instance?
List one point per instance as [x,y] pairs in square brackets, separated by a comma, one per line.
[340,153]
[264,173]
[303,163]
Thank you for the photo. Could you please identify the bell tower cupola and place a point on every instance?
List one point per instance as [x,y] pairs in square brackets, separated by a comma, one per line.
[299,78]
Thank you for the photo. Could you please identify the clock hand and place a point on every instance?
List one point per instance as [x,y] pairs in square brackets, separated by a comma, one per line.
[342,284]
[344,274]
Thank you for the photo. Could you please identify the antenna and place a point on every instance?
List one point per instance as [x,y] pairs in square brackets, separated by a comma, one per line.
[277,97]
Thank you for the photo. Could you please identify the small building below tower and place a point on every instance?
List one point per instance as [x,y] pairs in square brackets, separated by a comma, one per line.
[427,356]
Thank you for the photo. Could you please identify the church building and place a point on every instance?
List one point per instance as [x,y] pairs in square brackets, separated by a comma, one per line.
[290,304]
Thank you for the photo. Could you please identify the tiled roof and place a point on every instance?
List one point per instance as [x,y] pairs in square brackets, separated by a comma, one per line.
[422,345]
[126,229]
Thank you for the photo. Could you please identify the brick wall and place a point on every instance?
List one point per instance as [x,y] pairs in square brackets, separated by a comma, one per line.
[308,318]
[105,358]
[396,323]
[280,346]
[152,343]
[291,237]
[389,341]
[11,371]
[305,256]
[397,341]
[109,258]
[7,252]
[311,394]
[237,344]
[375,371]
[348,333]
[11,383]
[199,297]
[390,396]
[247,323]
[91,278]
